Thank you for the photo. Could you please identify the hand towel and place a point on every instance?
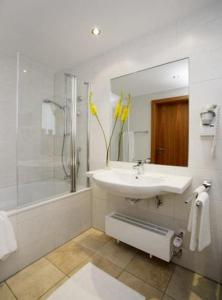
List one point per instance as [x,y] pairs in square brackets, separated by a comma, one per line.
[196,192]
[192,225]
[8,242]
[204,238]
[199,223]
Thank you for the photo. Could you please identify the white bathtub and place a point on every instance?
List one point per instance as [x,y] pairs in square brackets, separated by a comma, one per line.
[42,221]
[31,193]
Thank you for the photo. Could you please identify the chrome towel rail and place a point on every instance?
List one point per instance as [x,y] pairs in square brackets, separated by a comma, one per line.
[204,187]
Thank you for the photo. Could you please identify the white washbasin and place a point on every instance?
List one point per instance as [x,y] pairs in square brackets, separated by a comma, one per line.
[127,183]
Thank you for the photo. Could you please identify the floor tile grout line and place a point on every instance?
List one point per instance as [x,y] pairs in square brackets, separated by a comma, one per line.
[171,276]
[52,287]
[164,294]
[11,290]
[54,265]
[65,275]
[125,270]
[57,281]
[147,283]
[84,261]
[104,256]
[69,275]
[144,280]
[91,248]
[95,252]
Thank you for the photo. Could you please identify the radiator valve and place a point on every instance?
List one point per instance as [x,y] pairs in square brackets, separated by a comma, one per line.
[177,244]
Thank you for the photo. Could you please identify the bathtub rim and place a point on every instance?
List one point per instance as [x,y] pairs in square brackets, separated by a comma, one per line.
[19,210]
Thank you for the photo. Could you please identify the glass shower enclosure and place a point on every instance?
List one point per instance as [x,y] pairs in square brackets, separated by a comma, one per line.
[48,137]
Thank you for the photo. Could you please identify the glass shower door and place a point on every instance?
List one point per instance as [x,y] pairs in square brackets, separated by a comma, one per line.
[43,135]
[52,135]
[8,190]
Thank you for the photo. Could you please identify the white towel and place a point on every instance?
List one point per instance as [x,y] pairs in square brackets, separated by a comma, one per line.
[8,242]
[199,223]
[192,225]
[204,232]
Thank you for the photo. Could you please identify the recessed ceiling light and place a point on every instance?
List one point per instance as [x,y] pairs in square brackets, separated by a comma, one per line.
[96,31]
[24,71]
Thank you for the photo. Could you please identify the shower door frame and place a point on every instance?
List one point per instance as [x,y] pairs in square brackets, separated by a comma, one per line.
[88,84]
[74,131]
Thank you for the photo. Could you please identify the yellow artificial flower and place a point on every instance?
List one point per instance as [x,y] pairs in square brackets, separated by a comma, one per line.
[125,114]
[126,110]
[92,106]
[93,109]
[119,107]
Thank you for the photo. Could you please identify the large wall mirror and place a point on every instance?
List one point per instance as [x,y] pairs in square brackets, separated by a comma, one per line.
[156,129]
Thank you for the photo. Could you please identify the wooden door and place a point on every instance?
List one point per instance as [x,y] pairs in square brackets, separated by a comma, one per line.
[169,137]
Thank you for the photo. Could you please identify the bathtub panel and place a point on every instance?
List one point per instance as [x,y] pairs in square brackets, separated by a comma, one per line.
[41,229]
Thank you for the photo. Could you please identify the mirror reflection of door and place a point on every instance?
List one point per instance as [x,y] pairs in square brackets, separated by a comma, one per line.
[169,134]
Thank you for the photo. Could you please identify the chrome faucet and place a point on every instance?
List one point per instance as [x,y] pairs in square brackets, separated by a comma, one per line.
[139,167]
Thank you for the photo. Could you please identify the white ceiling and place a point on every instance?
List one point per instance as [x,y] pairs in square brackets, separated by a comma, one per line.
[166,77]
[57,32]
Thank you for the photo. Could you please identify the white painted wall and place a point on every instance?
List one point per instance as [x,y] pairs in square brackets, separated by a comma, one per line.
[200,39]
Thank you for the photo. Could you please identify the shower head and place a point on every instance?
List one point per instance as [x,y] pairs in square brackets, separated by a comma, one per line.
[53,102]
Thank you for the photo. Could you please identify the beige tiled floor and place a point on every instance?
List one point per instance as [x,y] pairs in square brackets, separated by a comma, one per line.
[153,278]
[155,272]
[5,293]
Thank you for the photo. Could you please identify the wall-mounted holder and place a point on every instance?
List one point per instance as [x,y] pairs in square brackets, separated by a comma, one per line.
[208,120]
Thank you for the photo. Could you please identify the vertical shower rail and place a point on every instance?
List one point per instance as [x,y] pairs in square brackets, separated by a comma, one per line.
[88,85]
[73,127]
[73,79]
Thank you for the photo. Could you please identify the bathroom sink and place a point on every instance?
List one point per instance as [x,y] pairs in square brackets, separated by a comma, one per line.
[127,183]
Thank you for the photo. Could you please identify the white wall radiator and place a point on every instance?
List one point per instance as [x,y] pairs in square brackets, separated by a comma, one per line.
[148,237]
